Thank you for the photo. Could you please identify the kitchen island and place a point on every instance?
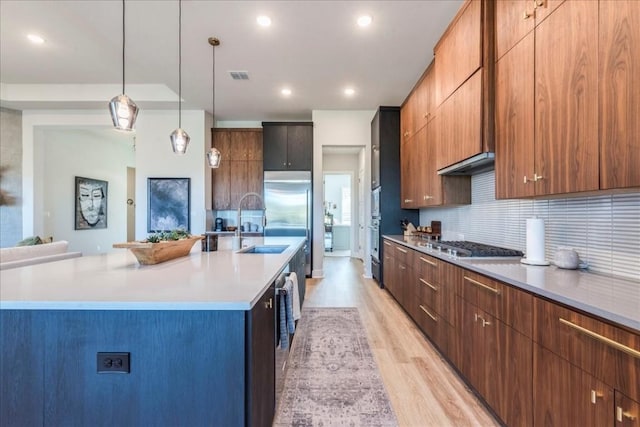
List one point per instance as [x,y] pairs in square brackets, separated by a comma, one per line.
[197,333]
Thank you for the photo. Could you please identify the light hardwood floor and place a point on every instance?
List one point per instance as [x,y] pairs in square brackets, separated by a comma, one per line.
[423,389]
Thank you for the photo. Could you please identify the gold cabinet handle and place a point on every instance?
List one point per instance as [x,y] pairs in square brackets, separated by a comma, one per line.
[402,267]
[595,396]
[537,177]
[435,289]
[526,15]
[485,322]
[611,343]
[269,304]
[387,243]
[482,285]
[428,261]
[434,318]
[408,200]
[406,133]
[401,250]
[538,3]
[621,414]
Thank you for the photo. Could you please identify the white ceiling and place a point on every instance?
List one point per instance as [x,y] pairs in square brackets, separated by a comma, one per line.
[313,47]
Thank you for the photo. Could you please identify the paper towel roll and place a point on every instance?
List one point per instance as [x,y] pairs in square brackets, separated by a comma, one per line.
[535,242]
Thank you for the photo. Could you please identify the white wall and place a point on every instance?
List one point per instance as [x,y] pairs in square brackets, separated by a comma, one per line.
[336,128]
[153,158]
[66,153]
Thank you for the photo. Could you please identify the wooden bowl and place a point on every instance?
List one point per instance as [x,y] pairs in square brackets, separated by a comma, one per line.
[154,253]
[232,228]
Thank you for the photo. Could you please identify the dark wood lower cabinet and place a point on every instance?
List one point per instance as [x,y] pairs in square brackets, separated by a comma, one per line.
[533,361]
[261,361]
[567,396]
[496,360]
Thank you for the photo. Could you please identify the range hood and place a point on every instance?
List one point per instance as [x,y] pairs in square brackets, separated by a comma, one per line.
[482,162]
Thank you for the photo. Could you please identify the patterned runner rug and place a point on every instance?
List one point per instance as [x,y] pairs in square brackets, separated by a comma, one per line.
[332,378]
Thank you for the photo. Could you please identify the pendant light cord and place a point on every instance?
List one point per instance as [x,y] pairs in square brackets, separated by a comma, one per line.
[213,90]
[180,64]
[123,43]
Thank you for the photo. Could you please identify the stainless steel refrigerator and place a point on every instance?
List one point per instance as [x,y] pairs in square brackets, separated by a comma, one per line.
[288,201]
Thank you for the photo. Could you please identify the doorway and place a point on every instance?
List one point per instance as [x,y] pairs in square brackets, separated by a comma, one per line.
[338,208]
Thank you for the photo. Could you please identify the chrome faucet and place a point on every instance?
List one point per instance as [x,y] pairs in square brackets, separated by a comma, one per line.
[239,214]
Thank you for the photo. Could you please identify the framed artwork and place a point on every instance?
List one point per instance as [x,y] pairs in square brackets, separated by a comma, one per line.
[91,204]
[169,204]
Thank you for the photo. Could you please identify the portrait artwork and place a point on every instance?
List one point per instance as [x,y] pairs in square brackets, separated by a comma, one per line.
[91,204]
[169,204]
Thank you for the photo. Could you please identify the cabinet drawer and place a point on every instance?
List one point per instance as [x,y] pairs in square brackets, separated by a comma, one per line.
[428,267]
[609,353]
[402,254]
[509,305]
[433,326]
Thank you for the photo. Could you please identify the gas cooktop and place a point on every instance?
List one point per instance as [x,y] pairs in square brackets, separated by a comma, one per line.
[473,249]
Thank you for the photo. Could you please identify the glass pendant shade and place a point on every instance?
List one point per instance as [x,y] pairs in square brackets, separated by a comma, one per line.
[123,112]
[122,109]
[214,157]
[179,141]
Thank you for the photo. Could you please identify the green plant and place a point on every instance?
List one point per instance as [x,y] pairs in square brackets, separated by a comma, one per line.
[177,234]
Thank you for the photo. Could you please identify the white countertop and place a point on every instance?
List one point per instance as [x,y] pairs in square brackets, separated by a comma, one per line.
[610,298]
[219,280]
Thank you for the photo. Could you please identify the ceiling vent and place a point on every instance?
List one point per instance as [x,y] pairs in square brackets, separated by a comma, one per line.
[239,75]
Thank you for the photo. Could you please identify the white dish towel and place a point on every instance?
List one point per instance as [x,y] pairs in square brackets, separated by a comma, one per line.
[296,296]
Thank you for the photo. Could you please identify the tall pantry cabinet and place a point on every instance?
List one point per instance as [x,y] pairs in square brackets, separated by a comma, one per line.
[547,101]
[566,100]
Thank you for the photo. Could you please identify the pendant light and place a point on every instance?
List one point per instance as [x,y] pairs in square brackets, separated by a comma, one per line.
[213,155]
[179,138]
[123,110]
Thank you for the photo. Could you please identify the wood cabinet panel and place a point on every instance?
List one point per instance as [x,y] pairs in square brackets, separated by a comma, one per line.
[240,170]
[411,174]
[590,344]
[425,98]
[566,108]
[514,20]
[221,185]
[407,112]
[627,411]
[565,395]
[515,121]
[544,8]
[300,147]
[275,147]
[619,93]
[459,51]
[509,305]
[261,361]
[461,132]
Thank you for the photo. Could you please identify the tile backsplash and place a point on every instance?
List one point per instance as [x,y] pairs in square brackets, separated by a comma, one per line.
[604,230]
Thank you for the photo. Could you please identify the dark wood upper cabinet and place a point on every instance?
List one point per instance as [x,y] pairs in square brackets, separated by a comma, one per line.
[459,50]
[288,146]
[560,153]
[619,57]
[240,170]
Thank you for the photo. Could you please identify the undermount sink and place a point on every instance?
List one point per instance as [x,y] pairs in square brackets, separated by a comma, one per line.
[263,249]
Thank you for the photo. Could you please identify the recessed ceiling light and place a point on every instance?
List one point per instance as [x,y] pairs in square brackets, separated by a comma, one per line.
[349,91]
[365,20]
[263,20]
[286,91]
[35,39]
